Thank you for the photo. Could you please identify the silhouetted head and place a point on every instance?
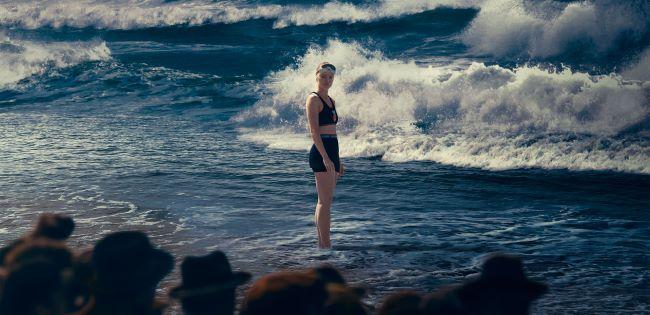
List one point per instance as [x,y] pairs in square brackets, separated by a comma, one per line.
[443,301]
[36,280]
[287,293]
[54,226]
[127,265]
[39,250]
[50,226]
[208,284]
[33,288]
[343,300]
[328,274]
[402,303]
[502,288]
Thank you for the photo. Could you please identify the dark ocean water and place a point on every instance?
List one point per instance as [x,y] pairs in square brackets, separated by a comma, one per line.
[467,127]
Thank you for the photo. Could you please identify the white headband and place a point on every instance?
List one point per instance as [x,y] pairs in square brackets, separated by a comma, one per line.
[327,70]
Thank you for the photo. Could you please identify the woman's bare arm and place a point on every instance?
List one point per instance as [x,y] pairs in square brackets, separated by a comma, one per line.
[313,108]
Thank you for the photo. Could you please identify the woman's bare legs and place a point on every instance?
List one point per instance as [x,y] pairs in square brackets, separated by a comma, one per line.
[325,184]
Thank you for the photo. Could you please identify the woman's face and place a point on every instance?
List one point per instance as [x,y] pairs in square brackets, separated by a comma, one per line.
[325,79]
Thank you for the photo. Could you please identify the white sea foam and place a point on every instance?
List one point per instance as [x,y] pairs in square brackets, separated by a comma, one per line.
[550,28]
[345,12]
[639,70]
[127,14]
[142,14]
[502,27]
[20,59]
[479,116]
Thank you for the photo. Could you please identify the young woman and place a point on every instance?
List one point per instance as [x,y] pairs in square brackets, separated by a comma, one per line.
[324,154]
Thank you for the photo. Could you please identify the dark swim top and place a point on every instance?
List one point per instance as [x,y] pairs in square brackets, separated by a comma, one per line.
[328,115]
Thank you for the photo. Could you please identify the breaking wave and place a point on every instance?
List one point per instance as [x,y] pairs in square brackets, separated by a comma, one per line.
[553,28]
[147,14]
[20,59]
[477,116]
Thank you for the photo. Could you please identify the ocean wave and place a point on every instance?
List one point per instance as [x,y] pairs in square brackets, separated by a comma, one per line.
[344,12]
[20,59]
[146,14]
[481,116]
[551,28]
[640,69]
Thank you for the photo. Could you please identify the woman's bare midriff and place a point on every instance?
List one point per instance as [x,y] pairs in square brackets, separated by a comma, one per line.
[327,130]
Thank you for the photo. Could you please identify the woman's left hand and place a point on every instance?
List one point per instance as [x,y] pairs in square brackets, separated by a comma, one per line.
[341,170]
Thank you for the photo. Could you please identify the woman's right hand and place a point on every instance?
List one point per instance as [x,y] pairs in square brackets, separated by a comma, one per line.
[329,166]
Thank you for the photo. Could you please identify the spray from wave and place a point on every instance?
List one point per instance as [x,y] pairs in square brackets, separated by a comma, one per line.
[20,59]
[478,116]
[640,70]
[552,28]
[146,14]
[345,12]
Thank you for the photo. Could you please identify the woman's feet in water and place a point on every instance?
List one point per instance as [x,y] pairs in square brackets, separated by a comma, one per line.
[323,244]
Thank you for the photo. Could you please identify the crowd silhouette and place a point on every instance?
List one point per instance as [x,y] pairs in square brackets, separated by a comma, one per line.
[41,275]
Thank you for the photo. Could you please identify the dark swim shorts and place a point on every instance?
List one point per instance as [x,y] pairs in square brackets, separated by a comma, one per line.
[331,145]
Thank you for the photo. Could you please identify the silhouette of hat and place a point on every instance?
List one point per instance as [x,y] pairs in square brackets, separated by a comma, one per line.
[330,275]
[128,260]
[343,300]
[506,272]
[203,275]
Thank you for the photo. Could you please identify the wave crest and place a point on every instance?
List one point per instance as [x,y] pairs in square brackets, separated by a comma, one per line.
[548,28]
[20,59]
[138,14]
